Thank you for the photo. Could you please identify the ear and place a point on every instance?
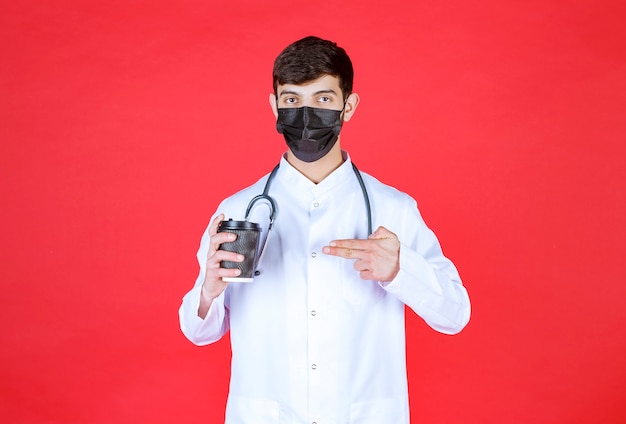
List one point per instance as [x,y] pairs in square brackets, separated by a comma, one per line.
[351,103]
[273,103]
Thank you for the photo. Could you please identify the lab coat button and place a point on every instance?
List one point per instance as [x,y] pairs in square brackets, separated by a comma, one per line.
[313,313]
[314,255]
[313,367]
[316,204]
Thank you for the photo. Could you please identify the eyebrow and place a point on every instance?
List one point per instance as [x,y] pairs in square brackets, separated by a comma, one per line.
[292,92]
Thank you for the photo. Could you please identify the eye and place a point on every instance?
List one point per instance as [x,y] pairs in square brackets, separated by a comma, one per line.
[290,100]
[324,99]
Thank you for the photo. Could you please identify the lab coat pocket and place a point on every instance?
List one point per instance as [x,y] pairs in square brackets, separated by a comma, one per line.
[242,410]
[356,291]
[377,411]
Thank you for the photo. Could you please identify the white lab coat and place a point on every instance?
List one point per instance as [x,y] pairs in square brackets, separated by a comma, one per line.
[311,341]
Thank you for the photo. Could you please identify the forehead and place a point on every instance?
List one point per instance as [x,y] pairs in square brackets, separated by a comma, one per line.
[325,83]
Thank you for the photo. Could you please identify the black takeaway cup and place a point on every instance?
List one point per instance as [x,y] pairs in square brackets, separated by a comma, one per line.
[247,242]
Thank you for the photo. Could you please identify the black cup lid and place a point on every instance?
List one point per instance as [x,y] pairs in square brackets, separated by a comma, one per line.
[239,225]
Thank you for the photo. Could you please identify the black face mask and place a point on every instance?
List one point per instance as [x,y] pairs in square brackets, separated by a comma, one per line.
[310,132]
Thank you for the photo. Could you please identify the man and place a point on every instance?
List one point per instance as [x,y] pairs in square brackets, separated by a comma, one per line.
[319,336]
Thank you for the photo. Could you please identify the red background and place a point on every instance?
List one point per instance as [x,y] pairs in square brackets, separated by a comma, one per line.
[118,123]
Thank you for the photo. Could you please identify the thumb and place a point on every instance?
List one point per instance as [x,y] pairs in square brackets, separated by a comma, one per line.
[380,233]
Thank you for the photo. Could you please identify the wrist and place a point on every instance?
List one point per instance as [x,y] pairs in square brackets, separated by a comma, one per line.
[209,294]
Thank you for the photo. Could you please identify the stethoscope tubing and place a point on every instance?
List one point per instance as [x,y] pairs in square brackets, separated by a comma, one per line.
[272,204]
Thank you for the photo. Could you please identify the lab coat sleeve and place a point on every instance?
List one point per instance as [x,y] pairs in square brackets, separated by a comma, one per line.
[210,329]
[428,282]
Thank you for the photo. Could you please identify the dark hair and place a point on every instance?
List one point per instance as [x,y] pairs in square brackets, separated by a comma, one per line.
[310,58]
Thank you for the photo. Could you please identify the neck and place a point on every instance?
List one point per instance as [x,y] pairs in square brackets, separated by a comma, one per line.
[320,169]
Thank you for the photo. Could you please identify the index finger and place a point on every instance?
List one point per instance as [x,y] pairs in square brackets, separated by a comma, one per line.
[215,224]
[348,248]
[354,244]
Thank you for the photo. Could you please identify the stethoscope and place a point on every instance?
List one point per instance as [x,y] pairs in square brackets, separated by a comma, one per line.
[272,202]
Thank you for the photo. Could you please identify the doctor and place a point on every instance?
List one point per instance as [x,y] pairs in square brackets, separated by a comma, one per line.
[319,336]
